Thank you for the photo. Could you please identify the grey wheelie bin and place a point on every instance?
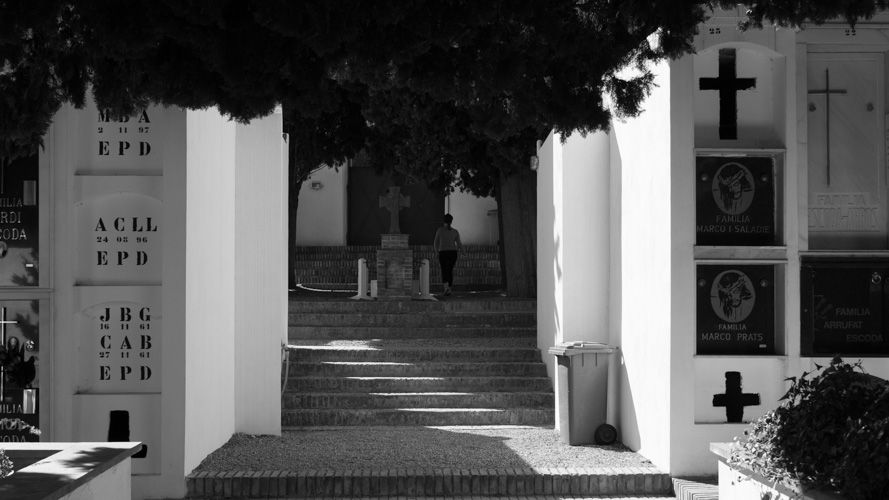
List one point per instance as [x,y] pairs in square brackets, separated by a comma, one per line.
[583,392]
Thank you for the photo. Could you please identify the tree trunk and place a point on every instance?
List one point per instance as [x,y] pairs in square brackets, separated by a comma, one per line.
[294,184]
[292,207]
[501,253]
[518,197]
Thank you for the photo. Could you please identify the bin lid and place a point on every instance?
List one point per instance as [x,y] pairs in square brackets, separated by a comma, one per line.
[580,347]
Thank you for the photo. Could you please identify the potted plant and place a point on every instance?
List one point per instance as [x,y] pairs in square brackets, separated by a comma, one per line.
[831,433]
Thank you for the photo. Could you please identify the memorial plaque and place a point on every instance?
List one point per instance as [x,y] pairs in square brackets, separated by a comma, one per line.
[846,175]
[19,222]
[844,309]
[120,345]
[19,381]
[113,144]
[20,416]
[119,240]
[736,309]
[735,201]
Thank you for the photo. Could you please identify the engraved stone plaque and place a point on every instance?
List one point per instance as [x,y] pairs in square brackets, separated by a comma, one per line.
[120,348]
[112,144]
[119,240]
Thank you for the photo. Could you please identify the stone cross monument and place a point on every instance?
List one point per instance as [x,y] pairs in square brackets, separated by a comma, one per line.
[395,259]
[394,202]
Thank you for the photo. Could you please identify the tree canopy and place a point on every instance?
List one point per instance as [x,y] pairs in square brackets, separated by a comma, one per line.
[435,89]
[435,69]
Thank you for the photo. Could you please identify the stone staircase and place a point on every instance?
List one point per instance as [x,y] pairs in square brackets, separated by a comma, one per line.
[462,361]
[415,363]
[332,268]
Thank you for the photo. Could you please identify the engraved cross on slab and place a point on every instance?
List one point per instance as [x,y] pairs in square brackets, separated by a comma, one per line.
[826,92]
[3,324]
[394,202]
[728,84]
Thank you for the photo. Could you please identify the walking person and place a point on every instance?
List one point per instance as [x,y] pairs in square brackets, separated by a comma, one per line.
[447,243]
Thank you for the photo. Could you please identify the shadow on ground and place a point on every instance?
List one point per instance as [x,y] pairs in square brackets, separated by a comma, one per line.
[457,447]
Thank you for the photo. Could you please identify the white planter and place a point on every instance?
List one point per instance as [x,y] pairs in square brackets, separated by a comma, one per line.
[69,471]
[739,483]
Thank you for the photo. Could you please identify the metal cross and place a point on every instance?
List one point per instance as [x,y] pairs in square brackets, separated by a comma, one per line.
[394,202]
[827,92]
[3,324]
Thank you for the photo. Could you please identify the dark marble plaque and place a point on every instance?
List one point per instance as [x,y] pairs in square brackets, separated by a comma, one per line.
[19,223]
[18,414]
[735,309]
[844,307]
[735,201]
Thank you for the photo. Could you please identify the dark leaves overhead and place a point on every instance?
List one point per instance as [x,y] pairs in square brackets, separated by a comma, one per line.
[426,76]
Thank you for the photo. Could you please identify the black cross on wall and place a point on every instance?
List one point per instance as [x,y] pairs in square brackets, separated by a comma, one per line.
[734,400]
[728,85]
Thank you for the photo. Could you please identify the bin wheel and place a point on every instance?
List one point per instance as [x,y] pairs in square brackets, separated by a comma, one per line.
[606,434]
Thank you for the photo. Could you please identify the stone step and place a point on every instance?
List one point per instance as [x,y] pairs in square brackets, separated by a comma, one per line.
[540,400]
[418,384]
[408,354]
[351,261]
[347,306]
[465,279]
[428,319]
[373,248]
[295,333]
[325,267]
[425,369]
[700,488]
[417,416]
[449,342]
[624,483]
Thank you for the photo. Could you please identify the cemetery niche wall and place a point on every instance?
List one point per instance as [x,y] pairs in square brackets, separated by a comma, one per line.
[116,203]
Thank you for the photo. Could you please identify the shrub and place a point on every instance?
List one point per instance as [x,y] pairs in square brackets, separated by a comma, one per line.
[830,432]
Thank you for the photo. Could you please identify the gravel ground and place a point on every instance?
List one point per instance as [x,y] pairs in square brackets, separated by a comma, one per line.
[455,447]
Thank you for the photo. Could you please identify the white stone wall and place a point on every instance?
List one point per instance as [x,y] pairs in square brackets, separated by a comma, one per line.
[209,344]
[260,255]
[208,307]
[321,218]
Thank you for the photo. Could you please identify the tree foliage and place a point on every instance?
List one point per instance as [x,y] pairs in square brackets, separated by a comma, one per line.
[440,90]
[500,67]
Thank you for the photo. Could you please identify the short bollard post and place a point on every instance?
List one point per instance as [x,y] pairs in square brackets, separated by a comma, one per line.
[362,281]
[424,282]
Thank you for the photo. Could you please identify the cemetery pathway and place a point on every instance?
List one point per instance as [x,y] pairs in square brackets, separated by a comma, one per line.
[419,400]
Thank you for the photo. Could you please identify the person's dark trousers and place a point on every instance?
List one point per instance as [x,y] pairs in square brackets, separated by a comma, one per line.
[447,259]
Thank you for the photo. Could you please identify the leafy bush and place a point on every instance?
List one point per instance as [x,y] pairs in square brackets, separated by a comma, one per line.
[831,432]
[5,465]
